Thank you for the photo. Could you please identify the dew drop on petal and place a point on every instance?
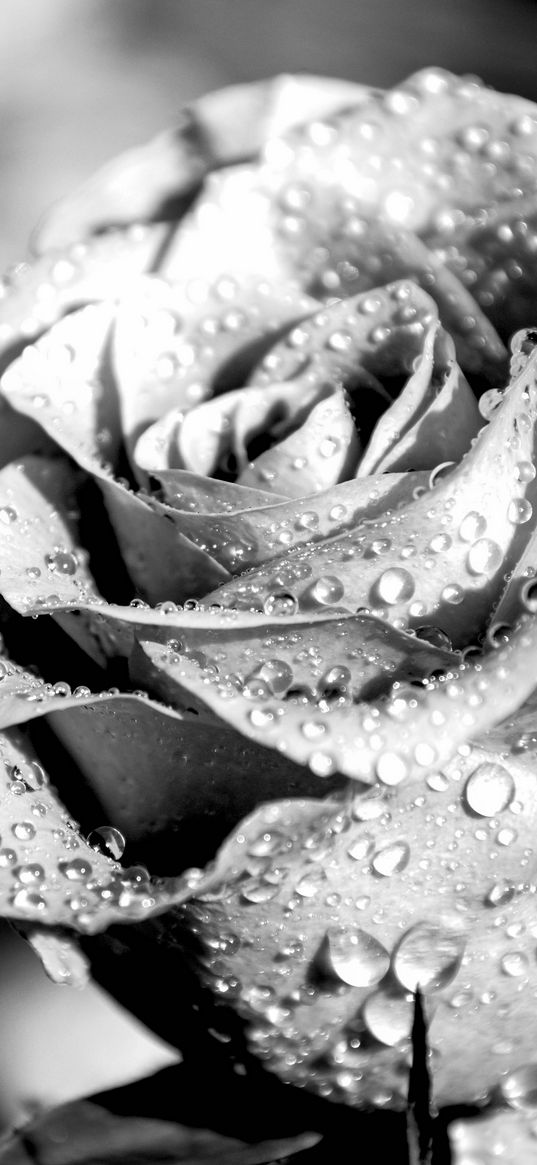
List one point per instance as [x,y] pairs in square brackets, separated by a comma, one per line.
[327,590]
[395,585]
[29,900]
[520,511]
[391,768]
[280,603]
[392,859]
[62,562]
[489,789]
[473,526]
[356,957]
[484,557]
[453,594]
[77,870]
[519,1088]
[108,841]
[388,1017]
[428,957]
[514,964]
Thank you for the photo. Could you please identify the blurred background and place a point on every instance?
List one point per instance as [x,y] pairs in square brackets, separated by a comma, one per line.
[80,81]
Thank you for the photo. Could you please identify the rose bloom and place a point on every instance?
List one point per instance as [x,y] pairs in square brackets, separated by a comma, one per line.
[268,563]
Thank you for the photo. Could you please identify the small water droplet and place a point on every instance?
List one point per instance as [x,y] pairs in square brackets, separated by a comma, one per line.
[29,900]
[391,769]
[453,594]
[23,830]
[8,515]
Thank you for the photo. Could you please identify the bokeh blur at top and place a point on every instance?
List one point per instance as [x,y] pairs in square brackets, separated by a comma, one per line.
[81,80]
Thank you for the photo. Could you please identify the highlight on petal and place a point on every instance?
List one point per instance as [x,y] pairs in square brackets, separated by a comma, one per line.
[470,529]
[366,901]
[500,1135]
[404,735]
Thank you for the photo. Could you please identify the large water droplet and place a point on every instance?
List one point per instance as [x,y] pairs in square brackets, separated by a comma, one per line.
[277,674]
[30,901]
[489,789]
[395,585]
[327,590]
[428,957]
[473,526]
[280,603]
[520,511]
[514,964]
[62,562]
[108,841]
[76,870]
[388,1017]
[392,859]
[519,1088]
[355,956]
[484,557]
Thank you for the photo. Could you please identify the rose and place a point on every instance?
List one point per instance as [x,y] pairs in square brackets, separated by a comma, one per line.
[410,215]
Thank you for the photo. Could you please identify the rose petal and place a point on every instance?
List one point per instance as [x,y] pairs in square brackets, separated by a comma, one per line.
[173,344]
[496,258]
[242,527]
[363,904]
[62,382]
[503,1136]
[419,155]
[434,418]
[82,1132]
[217,129]
[36,295]
[471,529]
[412,732]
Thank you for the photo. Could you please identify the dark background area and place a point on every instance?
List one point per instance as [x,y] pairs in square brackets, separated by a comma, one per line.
[79,81]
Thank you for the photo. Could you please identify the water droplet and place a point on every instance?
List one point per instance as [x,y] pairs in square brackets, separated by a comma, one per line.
[62,562]
[257,892]
[328,446]
[520,511]
[8,857]
[108,840]
[392,859]
[280,603]
[519,1088]
[484,557]
[8,515]
[355,956]
[489,789]
[29,900]
[514,964]
[395,585]
[428,957]
[309,884]
[499,894]
[391,768]
[473,526]
[452,593]
[388,1017]
[360,848]
[525,471]
[277,674]
[327,590]
[322,764]
[30,874]
[77,870]
[506,836]
[23,830]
